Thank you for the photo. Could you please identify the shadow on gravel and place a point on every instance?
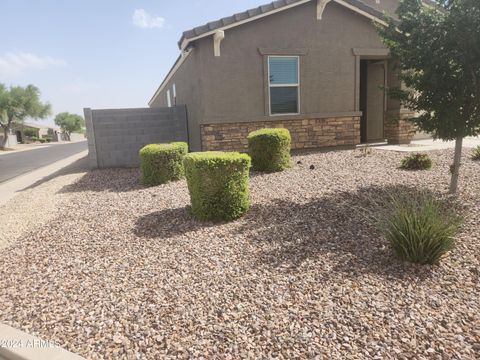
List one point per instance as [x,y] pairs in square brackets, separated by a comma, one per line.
[168,223]
[79,166]
[336,226]
[112,180]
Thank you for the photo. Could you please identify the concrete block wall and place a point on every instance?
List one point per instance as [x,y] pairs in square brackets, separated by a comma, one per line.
[115,136]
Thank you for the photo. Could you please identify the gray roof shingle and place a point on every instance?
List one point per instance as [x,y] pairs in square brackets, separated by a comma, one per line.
[214,25]
[200,30]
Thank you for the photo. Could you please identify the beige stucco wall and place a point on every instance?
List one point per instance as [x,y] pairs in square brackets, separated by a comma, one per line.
[232,87]
[187,81]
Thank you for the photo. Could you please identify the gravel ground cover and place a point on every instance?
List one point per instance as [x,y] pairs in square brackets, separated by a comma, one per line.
[36,205]
[124,272]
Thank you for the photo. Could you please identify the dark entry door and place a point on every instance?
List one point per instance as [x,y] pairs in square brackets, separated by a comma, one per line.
[372,100]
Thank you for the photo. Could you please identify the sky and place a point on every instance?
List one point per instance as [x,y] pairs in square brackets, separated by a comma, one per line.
[98,53]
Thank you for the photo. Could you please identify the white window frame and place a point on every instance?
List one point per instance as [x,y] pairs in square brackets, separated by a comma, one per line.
[174,90]
[270,85]
[169,99]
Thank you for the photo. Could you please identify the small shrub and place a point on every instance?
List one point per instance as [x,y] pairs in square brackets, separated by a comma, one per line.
[270,149]
[416,161]
[218,184]
[476,154]
[30,132]
[161,163]
[42,141]
[419,229]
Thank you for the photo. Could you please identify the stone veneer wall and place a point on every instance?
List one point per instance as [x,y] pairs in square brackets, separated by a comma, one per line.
[306,134]
[398,128]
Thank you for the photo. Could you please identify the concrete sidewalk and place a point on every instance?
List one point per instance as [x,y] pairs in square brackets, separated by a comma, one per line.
[8,189]
[429,145]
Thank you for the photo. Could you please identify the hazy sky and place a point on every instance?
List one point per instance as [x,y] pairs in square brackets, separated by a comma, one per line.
[98,53]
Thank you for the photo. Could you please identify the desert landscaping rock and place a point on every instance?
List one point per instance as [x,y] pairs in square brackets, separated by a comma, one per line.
[35,205]
[124,272]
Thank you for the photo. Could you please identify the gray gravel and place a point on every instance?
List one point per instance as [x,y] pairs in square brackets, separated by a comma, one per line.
[123,272]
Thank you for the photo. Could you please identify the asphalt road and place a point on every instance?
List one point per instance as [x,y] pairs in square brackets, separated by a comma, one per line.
[18,163]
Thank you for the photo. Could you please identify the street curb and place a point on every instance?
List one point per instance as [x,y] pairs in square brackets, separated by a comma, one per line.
[9,188]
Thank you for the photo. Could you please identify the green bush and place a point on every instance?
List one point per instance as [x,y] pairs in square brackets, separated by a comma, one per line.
[419,229]
[30,132]
[161,163]
[42,141]
[218,184]
[476,153]
[416,161]
[270,149]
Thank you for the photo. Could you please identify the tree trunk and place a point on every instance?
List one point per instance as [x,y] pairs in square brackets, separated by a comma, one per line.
[3,142]
[456,164]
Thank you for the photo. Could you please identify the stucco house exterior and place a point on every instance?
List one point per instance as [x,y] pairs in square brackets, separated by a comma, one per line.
[316,67]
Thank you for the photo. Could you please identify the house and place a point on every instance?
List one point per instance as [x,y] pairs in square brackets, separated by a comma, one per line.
[316,67]
[24,131]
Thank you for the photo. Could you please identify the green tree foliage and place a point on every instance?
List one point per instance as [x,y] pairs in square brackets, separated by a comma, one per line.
[438,52]
[17,104]
[69,123]
[30,132]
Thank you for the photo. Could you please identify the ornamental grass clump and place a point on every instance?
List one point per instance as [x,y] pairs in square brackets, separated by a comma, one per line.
[270,149]
[420,229]
[218,184]
[416,161]
[162,163]
[476,154]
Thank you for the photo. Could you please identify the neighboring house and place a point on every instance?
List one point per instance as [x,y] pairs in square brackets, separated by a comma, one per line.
[41,132]
[316,67]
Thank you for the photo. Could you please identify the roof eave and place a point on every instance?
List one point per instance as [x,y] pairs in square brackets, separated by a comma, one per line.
[363,10]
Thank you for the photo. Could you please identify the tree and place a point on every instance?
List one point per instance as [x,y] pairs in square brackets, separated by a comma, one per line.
[438,52]
[69,123]
[18,103]
[30,132]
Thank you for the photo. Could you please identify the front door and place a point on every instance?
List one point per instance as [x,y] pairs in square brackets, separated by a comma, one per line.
[372,99]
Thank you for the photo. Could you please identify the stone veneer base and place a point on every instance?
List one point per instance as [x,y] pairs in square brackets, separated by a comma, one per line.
[399,129]
[306,134]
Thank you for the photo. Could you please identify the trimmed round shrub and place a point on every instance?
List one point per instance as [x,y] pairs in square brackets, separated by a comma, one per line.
[218,184]
[162,163]
[420,229]
[270,149]
[476,154]
[416,161]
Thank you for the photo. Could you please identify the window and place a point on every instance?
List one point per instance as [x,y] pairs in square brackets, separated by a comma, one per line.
[283,77]
[174,90]
[169,99]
